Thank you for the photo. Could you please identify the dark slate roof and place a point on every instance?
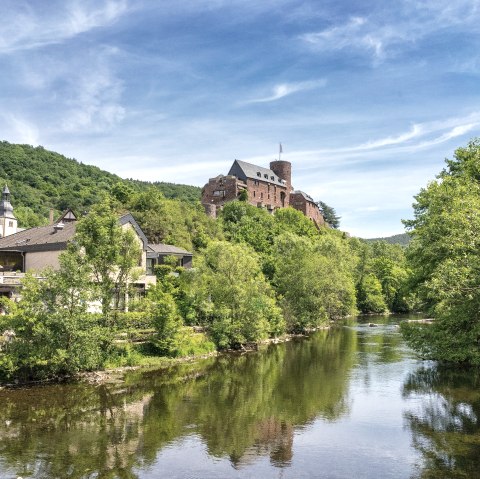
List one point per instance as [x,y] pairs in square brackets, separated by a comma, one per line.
[168,249]
[47,238]
[43,238]
[307,197]
[243,170]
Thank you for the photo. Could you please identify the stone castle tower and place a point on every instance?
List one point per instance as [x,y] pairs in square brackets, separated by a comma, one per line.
[8,222]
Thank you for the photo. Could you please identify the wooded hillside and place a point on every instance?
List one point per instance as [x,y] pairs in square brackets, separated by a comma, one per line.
[40,179]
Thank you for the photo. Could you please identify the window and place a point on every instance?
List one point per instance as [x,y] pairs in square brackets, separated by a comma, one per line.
[219,193]
[261,195]
[265,176]
[259,174]
[150,265]
[254,193]
[10,224]
[272,178]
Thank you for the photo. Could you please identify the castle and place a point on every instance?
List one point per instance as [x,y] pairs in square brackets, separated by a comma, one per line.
[269,188]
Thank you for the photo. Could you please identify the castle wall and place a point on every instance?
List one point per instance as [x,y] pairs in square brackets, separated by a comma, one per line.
[261,193]
[220,190]
[308,208]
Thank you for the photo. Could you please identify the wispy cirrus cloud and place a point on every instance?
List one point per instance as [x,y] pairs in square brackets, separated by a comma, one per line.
[379,36]
[26,28]
[285,89]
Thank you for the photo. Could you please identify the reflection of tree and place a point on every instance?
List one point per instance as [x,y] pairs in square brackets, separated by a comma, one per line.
[242,407]
[447,428]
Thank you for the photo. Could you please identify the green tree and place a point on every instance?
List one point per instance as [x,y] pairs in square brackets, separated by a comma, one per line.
[369,295]
[314,280]
[112,252]
[54,334]
[329,215]
[445,260]
[233,298]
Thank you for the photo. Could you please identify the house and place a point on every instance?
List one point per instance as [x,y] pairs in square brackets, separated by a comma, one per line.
[269,188]
[157,254]
[34,249]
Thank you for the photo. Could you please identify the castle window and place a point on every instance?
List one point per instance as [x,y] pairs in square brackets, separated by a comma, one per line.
[219,193]
[261,195]
[254,193]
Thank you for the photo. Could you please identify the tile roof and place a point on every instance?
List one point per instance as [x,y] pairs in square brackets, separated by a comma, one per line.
[168,249]
[40,238]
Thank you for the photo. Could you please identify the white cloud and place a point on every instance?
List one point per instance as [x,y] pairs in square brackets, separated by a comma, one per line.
[20,130]
[380,35]
[25,29]
[284,89]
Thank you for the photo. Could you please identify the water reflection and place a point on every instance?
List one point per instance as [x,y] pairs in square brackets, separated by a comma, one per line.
[335,403]
[240,407]
[446,425]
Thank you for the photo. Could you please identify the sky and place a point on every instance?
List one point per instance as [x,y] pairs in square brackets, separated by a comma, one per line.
[367,98]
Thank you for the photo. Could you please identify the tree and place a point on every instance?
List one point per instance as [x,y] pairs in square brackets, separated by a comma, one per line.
[444,255]
[113,253]
[54,334]
[329,215]
[314,280]
[232,296]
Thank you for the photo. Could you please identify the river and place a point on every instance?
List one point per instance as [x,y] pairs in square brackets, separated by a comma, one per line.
[350,402]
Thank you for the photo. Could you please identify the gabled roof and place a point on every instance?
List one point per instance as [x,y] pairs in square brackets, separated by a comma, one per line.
[302,193]
[50,238]
[43,238]
[128,218]
[67,216]
[167,249]
[244,170]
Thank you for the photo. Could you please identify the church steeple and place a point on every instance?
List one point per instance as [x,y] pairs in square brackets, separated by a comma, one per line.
[8,222]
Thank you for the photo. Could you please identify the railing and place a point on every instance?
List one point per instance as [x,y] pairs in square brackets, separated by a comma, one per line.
[11,278]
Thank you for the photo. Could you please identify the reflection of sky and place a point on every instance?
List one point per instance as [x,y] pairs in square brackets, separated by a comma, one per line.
[370,441]
[368,98]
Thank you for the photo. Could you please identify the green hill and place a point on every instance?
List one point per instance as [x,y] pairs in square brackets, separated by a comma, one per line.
[40,179]
[401,239]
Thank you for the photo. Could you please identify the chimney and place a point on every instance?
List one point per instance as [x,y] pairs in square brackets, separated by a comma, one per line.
[51,216]
[58,227]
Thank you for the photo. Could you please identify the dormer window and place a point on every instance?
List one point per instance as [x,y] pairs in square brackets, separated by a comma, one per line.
[272,178]
[259,174]
[265,176]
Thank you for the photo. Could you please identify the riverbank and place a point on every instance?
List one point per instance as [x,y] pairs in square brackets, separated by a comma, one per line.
[146,362]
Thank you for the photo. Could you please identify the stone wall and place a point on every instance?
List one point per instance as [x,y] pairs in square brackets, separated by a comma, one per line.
[308,208]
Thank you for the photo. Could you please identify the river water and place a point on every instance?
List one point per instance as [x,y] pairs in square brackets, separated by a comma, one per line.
[351,402]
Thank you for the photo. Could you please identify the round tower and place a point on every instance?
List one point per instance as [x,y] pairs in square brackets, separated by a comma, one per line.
[283,169]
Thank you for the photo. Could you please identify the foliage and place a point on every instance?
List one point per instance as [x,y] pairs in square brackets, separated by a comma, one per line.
[369,295]
[172,222]
[40,179]
[113,253]
[329,215]
[233,298]
[445,260]
[402,239]
[314,280]
[54,334]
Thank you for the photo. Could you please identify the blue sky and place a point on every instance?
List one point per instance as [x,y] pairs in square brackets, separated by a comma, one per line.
[367,98]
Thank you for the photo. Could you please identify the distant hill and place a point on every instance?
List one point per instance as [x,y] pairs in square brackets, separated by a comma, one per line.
[401,239]
[40,179]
